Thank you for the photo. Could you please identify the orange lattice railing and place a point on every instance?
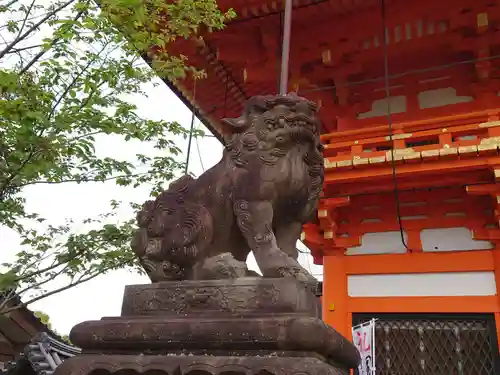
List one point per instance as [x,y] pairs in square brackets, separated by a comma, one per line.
[440,138]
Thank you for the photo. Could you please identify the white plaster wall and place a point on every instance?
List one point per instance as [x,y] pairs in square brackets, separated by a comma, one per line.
[449,239]
[440,97]
[379,107]
[442,239]
[425,284]
[426,99]
[379,243]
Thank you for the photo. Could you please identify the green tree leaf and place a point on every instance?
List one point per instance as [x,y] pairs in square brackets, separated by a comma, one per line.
[60,91]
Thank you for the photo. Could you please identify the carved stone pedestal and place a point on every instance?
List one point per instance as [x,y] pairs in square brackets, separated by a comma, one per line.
[246,326]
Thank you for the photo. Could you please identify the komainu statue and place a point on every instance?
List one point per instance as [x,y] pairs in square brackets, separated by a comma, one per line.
[256,198]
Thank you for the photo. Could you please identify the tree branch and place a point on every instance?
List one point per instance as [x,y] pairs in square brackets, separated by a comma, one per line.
[75,79]
[12,2]
[33,151]
[49,268]
[39,55]
[40,283]
[82,136]
[17,50]
[81,180]
[8,297]
[25,19]
[39,260]
[19,38]
[55,291]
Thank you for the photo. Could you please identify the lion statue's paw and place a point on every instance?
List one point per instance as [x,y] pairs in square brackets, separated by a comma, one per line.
[221,266]
[300,274]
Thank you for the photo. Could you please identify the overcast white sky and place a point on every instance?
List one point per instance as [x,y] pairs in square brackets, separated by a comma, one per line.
[102,296]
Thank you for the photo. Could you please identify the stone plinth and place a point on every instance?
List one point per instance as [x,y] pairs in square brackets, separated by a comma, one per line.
[248,326]
[245,296]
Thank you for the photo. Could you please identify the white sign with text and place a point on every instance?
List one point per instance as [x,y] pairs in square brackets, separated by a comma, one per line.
[363,337]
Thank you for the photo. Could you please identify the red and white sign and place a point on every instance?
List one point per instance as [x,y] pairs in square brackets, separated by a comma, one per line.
[363,337]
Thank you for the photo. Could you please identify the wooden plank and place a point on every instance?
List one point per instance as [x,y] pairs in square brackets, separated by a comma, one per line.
[368,142]
[407,126]
[27,321]
[462,304]
[334,299]
[485,189]
[424,262]
[442,167]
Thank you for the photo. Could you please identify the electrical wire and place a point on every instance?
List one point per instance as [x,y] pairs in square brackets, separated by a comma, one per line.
[309,268]
[192,126]
[193,116]
[389,122]
[225,98]
[199,154]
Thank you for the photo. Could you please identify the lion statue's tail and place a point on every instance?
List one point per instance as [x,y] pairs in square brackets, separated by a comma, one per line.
[173,232]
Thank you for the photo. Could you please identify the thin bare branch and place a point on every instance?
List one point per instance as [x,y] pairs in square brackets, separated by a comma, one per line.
[34,27]
[49,268]
[83,136]
[7,297]
[75,79]
[8,5]
[52,292]
[39,55]
[25,19]
[38,260]
[43,282]
[17,50]
[81,180]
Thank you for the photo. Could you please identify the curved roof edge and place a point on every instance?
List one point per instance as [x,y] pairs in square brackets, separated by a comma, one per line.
[188,103]
[43,355]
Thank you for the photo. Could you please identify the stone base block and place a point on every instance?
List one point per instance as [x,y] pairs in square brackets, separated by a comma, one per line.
[245,296]
[244,326]
[196,365]
[156,335]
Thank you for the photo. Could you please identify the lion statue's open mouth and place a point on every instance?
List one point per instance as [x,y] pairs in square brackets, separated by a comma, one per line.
[295,125]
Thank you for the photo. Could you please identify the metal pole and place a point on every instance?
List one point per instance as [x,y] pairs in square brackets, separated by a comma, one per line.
[191,128]
[374,367]
[285,50]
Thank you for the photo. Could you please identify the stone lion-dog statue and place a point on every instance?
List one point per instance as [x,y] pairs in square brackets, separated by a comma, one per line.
[257,198]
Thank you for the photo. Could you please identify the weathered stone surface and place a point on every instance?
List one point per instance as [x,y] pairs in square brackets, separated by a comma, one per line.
[196,365]
[245,296]
[264,326]
[245,316]
[286,333]
[257,198]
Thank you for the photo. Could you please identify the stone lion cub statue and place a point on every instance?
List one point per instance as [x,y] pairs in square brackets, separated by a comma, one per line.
[256,198]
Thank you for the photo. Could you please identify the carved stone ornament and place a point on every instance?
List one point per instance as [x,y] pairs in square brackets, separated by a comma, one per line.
[256,198]
[243,297]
